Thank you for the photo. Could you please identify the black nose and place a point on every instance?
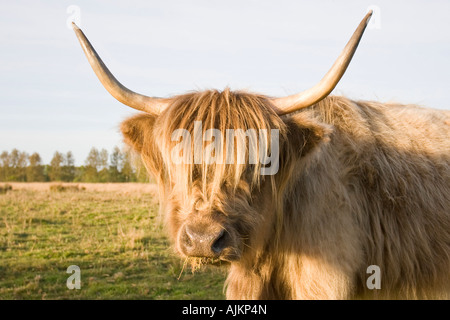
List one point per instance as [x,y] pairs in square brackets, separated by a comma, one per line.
[197,241]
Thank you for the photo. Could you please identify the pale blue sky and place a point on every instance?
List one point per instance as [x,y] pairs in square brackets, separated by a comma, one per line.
[51,99]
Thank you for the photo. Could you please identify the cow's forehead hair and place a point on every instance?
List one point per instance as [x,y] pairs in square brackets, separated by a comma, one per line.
[220,110]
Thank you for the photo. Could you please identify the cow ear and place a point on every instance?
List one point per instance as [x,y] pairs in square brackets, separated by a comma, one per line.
[137,131]
[306,135]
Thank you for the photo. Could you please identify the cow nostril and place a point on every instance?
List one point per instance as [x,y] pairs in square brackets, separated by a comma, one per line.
[188,238]
[220,243]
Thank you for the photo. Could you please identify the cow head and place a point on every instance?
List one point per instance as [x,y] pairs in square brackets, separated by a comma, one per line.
[221,192]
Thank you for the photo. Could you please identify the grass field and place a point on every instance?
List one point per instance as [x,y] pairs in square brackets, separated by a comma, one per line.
[112,232]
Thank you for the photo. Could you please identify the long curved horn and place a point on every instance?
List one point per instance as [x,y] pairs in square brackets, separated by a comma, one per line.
[322,89]
[114,87]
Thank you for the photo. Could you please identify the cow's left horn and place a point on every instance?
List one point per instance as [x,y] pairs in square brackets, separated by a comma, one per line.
[114,87]
[322,89]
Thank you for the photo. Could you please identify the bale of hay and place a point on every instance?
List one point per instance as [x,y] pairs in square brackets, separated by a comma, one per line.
[64,188]
[5,188]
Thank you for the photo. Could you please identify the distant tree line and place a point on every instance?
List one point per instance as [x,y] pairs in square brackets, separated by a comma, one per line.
[99,166]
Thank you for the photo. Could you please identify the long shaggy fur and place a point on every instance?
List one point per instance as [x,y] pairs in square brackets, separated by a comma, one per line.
[360,184]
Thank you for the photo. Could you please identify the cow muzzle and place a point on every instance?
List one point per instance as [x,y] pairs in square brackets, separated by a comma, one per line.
[197,240]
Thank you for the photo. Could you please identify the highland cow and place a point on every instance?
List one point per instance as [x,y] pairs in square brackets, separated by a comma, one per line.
[359,184]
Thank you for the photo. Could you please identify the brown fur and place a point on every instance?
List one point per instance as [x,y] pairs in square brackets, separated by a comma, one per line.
[360,184]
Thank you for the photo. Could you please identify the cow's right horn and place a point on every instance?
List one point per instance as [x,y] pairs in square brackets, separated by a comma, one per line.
[322,89]
[114,87]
